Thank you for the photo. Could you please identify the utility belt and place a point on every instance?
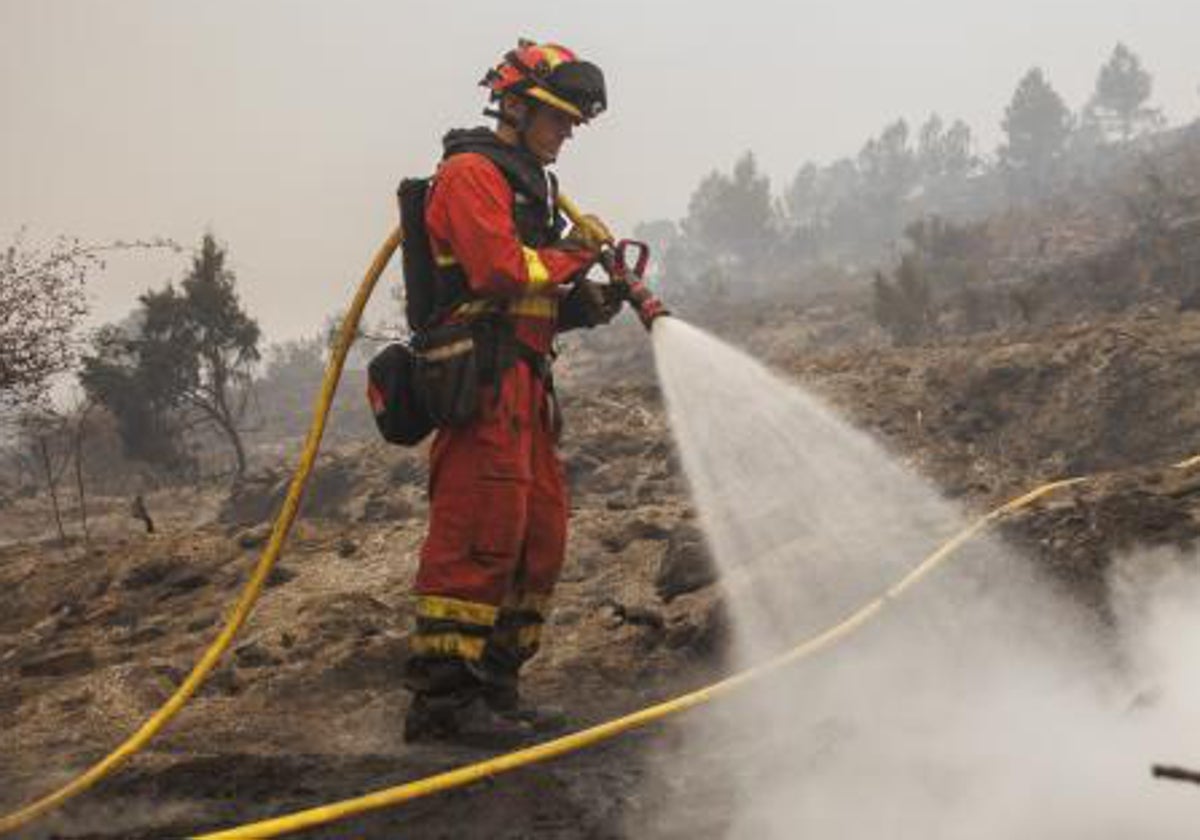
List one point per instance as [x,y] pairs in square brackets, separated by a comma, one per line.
[455,362]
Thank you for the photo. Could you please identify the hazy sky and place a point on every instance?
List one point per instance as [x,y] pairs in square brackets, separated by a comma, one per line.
[284,126]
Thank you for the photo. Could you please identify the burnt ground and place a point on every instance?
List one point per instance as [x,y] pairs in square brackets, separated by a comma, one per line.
[307,707]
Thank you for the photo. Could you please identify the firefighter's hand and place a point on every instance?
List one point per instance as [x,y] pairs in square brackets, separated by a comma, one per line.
[647,305]
[590,304]
[590,234]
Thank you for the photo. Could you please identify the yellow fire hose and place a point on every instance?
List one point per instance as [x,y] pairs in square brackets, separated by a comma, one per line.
[253,589]
[467,774]
[485,769]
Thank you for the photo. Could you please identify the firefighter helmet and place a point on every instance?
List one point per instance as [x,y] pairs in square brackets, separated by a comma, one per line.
[550,74]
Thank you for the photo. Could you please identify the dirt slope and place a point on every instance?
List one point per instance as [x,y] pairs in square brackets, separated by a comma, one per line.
[307,708]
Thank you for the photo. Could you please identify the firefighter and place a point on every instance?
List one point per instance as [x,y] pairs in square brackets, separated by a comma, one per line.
[498,504]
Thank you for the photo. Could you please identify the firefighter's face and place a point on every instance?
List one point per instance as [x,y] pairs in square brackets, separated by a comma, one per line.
[546,129]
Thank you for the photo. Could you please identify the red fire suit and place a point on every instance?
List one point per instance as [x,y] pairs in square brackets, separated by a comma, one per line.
[498,504]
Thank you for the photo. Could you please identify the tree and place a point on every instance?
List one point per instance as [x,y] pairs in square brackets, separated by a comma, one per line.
[733,214]
[40,429]
[186,362]
[1036,124]
[904,306]
[887,165]
[41,304]
[888,172]
[944,153]
[1123,87]
[114,375]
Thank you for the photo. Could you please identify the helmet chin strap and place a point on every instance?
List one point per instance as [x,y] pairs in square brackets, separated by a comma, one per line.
[518,125]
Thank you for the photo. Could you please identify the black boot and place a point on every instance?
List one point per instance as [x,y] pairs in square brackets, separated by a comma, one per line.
[500,673]
[450,705]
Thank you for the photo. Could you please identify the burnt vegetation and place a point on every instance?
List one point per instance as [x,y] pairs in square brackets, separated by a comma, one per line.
[996,317]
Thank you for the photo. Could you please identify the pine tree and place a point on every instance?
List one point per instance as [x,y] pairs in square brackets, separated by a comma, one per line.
[732,214]
[1036,125]
[1123,87]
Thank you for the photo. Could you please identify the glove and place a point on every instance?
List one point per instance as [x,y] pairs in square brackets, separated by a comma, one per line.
[647,305]
[590,234]
[589,304]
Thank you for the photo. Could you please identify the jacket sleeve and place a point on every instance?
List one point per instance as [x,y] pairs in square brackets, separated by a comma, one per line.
[470,216]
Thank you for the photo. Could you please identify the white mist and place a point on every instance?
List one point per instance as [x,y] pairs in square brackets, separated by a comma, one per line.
[984,704]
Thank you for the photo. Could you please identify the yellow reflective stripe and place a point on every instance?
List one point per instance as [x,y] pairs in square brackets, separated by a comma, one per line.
[539,275]
[448,351]
[529,306]
[534,307]
[555,102]
[445,260]
[476,307]
[460,645]
[468,612]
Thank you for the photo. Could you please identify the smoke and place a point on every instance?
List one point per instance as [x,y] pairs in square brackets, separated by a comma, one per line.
[984,703]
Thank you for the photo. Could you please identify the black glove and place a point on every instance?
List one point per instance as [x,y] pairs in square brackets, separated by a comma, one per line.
[589,304]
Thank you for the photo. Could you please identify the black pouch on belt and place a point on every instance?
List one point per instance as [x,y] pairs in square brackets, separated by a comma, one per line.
[399,410]
[446,373]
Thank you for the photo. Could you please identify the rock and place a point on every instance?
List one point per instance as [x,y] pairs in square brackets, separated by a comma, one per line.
[69,613]
[251,500]
[76,702]
[149,574]
[686,565]
[254,655]
[329,488]
[223,681]
[278,576]
[620,501]
[171,673]
[145,634]
[637,529]
[653,491]
[346,615]
[389,507]
[347,547]
[254,537]
[202,623]
[257,497]
[566,617]
[411,471]
[700,624]
[584,555]
[102,583]
[119,617]
[60,664]
[184,584]
[641,616]
[646,529]
[578,467]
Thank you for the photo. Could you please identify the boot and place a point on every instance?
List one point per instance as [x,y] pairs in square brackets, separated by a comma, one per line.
[500,688]
[449,705]
[542,719]
[469,723]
